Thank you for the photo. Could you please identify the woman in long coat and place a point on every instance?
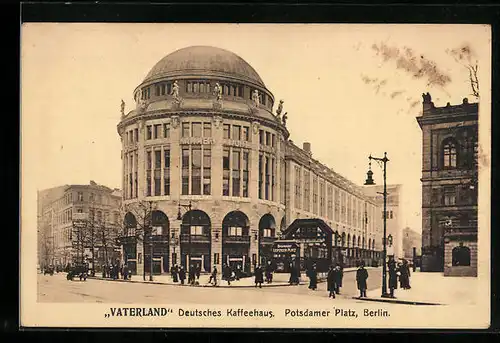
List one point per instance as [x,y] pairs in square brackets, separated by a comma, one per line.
[361,276]
[331,282]
[313,277]
[393,276]
[259,276]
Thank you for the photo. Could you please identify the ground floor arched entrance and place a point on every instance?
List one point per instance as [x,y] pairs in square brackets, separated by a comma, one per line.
[236,241]
[195,241]
[267,236]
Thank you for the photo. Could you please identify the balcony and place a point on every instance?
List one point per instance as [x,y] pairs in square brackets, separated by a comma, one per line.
[236,239]
[195,238]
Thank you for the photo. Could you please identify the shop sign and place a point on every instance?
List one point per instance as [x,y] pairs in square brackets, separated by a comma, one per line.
[285,248]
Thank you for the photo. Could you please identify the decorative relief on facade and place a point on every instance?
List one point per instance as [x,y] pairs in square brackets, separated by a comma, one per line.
[197,140]
[217,122]
[268,149]
[175,122]
[175,94]
[256,126]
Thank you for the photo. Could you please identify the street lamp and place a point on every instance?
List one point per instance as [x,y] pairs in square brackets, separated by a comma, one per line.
[179,217]
[369,181]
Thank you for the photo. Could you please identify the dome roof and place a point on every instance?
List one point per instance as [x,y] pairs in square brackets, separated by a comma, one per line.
[204,61]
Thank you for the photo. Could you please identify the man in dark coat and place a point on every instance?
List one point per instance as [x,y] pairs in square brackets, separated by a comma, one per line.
[213,276]
[198,271]
[269,272]
[259,276]
[393,276]
[125,272]
[192,274]
[182,274]
[361,276]
[340,276]
[331,282]
[313,277]
[174,273]
[226,274]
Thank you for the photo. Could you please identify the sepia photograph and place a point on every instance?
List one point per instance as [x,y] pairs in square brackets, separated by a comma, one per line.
[255,175]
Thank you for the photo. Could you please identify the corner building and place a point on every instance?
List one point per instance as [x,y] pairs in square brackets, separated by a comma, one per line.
[449,187]
[221,152]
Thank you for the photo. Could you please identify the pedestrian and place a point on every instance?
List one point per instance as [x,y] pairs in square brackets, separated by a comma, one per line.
[405,275]
[213,276]
[331,281]
[269,272]
[226,274]
[192,273]
[198,271]
[361,276]
[182,274]
[174,272]
[313,277]
[103,271]
[125,272]
[340,276]
[259,276]
[237,273]
[393,276]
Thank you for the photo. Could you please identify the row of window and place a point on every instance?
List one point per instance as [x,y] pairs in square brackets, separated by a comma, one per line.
[454,195]
[348,209]
[235,172]
[453,156]
[267,138]
[157,172]
[267,177]
[196,170]
[237,133]
[388,214]
[199,87]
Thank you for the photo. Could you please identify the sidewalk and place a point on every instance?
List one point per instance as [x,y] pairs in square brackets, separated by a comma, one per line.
[432,289]
[279,280]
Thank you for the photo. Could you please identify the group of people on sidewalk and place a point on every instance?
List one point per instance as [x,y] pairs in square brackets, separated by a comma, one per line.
[114,272]
[178,273]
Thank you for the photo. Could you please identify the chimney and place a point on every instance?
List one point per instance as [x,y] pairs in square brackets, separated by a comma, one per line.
[306,147]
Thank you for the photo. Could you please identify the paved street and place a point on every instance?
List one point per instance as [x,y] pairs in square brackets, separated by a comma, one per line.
[57,289]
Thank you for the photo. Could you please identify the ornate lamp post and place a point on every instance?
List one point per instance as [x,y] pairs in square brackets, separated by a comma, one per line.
[179,217]
[369,181]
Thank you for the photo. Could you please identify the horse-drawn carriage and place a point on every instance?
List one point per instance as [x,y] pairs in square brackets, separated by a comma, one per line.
[79,271]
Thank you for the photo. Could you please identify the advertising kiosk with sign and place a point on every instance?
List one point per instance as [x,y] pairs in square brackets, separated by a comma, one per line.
[285,254]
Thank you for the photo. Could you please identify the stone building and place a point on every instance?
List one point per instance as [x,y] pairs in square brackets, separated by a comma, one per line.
[449,187]
[393,213]
[411,240]
[56,233]
[203,150]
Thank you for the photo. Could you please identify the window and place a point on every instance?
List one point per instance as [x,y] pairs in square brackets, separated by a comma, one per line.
[156,131]
[166,130]
[449,196]
[261,137]
[245,173]
[236,132]
[268,138]
[207,129]
[196,169]
[80,196]
[267,233]
[185,129]
[315,194]
[246,133]
[80,210]
[235,231]
[196,130]
[273,179]
[227,131]
[307,192]
[91,197]
[236,172]
[329,195]
[166,172]
[273,141]
[136,135]
[189,87]
[148,173]
[449,155]
[322,199]
[390,215]
[157,173]
[225,171]
[261,176]
[267,169]
[185,170]
[149,132]
[207,166]
[157,90]
[196,230]
[162,89]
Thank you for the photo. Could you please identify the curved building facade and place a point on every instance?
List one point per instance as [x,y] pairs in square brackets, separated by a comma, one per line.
[203,153]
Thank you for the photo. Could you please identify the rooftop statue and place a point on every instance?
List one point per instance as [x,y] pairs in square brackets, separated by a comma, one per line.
[255,98]
[218,92]
[122,108]
[280,109]
[285,118]
[426,98]
[175,92]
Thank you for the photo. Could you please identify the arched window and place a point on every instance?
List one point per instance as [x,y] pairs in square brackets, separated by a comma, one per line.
[449,154]
[460,256]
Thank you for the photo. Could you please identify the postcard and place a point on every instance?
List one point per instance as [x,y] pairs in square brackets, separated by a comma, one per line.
[255,175]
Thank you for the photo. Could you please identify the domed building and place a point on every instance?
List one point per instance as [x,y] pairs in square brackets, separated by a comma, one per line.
[204,154]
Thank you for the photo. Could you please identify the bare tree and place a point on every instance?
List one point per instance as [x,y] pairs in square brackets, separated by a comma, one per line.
[466,57]
[142,211]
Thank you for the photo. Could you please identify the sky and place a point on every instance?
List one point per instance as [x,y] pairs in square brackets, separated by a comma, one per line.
[349,90]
